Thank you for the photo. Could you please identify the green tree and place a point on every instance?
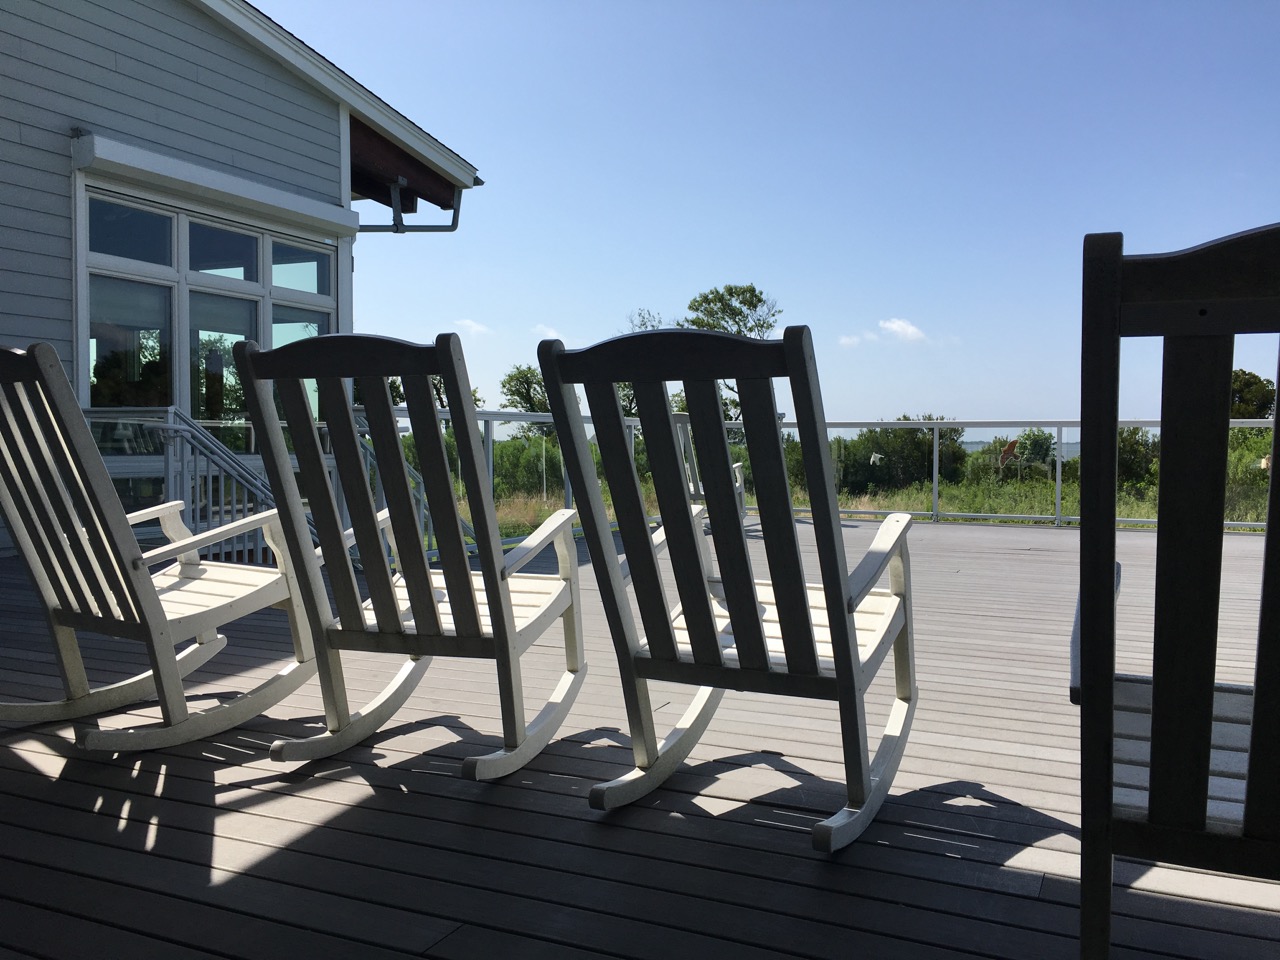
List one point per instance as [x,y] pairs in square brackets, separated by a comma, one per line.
[1252,397]
[743,310]
[737,309]
[522,389]
[1137,458]
[889,458]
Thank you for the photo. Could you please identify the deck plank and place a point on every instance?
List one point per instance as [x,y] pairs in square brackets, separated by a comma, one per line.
[384,850]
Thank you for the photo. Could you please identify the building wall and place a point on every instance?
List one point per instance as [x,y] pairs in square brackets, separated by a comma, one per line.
[157,74]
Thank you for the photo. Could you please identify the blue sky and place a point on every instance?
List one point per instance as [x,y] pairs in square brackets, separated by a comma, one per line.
[912,180]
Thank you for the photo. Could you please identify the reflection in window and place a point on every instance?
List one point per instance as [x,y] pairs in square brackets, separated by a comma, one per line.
[299,269]
[223,252]
[129,343]
[293,323]
[121,231]
[216,324]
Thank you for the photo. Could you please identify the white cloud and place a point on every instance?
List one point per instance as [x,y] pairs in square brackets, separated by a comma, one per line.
[547,333]
[471,327]
[902,329]
[853,339]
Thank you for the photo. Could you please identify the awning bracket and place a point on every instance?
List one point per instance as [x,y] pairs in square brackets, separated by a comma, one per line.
[398,225]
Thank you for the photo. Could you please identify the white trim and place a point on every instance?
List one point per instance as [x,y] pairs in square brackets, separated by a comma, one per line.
[149,170]
[345,322]
[344,154]
[268,35]
[80,287]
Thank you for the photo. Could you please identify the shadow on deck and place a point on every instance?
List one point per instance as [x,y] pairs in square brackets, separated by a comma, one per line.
[213,850]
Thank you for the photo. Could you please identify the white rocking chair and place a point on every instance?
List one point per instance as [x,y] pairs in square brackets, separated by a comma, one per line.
[726,629]
[409,607]
[92,575]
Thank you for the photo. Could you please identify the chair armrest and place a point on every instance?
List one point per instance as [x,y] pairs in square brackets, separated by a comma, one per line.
[1075,644]
[539,540]
[148,514]
[225,532]
[887,544]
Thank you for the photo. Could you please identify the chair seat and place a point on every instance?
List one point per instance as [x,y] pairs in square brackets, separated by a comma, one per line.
[533,598]
[1228,763]
[215,585]
[880,615]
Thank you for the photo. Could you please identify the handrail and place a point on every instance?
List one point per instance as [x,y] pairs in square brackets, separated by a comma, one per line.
[174,425]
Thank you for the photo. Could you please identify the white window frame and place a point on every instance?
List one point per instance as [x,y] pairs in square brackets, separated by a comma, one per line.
[132,176]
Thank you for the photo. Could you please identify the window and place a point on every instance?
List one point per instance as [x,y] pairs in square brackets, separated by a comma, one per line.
[121,231]
[130,336]
[223,253]
[171,290]
[299,269]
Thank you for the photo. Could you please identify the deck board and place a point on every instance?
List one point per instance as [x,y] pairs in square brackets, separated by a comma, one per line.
[210,848]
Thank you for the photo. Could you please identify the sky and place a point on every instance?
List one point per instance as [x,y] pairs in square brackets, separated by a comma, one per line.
[912,180]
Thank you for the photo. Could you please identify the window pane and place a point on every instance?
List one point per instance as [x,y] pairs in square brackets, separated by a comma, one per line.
[122,231]
[300,269]
[216,324]
[129,343]
[293,323]
[223,252]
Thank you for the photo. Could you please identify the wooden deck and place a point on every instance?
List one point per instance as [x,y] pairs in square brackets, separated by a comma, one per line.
[213,850]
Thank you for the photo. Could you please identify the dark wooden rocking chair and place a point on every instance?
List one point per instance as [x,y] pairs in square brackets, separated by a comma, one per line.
[1174,767]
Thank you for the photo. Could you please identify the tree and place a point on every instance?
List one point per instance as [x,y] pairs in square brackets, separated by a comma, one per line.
[522,389]
[889,458]
[1252,397]
[743,310]
[643,319]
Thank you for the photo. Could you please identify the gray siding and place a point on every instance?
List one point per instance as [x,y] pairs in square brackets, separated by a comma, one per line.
[155,73]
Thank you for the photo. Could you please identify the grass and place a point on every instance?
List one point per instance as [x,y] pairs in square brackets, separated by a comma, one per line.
[520,515]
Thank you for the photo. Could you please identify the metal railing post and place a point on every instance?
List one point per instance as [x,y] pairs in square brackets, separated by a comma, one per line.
[1057,485]
[935,473]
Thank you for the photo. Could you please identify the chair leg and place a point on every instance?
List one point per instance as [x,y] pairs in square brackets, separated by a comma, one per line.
[671,752]
[847,825]
[111,696]
[537,735]
[1096,871]
[358,726]
[204,723]
[544,726]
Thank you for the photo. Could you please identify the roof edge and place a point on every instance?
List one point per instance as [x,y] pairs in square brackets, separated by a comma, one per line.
[265,33]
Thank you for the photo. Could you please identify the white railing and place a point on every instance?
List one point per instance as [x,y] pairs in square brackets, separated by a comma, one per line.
[133,441]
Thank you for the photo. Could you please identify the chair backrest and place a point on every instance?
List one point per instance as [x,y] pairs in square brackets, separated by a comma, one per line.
[381,535]
[1197,301]
[698,360]
[60,504]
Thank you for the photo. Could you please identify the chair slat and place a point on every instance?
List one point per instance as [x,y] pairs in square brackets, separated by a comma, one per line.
[711,446]
[1193,456]
[777,522]
[353,475]
[393,479]
[811,421]
[66,509]
[433,459]
[313,479]
[478,486]
[633,523]
[27,500]
[1262,792]
[671,486]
